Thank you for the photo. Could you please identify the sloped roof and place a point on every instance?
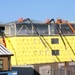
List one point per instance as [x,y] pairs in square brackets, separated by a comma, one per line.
[4,51]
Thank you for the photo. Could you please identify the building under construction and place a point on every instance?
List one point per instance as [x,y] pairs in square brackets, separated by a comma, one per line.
[40,48]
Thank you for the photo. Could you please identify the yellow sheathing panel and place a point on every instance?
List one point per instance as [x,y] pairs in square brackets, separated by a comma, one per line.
[31,50]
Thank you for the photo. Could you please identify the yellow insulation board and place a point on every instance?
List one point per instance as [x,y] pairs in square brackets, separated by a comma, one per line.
[31,50]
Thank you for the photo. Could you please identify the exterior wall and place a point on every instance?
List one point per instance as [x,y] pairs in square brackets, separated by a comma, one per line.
[55,69]
[31,50]
[45,69]
[6,63]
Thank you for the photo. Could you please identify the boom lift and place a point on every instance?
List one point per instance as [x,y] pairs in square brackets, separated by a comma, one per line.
[60,21]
